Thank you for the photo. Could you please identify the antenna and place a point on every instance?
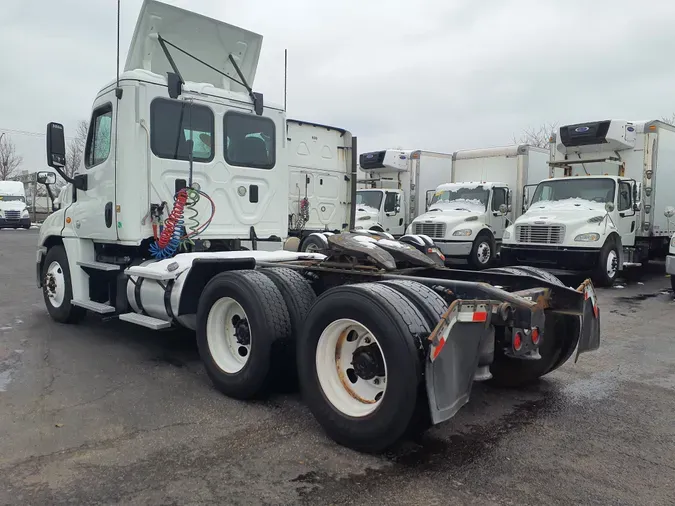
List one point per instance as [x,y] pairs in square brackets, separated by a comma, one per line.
[118,91]
[285,75]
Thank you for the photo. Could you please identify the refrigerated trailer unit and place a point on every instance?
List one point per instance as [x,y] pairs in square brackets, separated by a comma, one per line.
[607,209]
[467,217]
[383,340]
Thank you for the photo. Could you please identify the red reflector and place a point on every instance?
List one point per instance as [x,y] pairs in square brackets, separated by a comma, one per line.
[517,341]
[480,316]
[535,335]
[437,349]
[430,250]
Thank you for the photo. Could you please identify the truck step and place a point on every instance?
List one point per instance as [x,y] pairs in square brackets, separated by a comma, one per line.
[101,266]
[96,307]
[142,272]
[145,321]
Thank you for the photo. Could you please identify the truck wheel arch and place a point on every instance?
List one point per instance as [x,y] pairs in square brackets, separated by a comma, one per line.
[616,238]
[201,272]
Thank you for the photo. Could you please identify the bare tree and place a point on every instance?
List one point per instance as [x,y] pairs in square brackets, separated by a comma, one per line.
[9,160]
[669,119]
[537,136]
[75,150]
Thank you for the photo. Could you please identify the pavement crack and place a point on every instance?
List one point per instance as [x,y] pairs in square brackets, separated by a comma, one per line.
[96,445]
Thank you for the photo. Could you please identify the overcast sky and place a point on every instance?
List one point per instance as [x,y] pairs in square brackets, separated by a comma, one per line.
[434,74]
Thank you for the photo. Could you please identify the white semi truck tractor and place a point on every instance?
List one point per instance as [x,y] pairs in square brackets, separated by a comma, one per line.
[183,162]
[607,208]
[13,210]
[466,217]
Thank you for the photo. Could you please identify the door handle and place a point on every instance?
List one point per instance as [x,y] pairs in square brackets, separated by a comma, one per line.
[108,214]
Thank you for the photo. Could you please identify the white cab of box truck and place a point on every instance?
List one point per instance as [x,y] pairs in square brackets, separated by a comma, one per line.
[606,210]
[670,262]
[466,219]
[321,181]
[395,188]
[13,210]
[182,164]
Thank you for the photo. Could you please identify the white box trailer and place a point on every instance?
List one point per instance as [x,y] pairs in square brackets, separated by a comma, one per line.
[395,187]
[466,219]
[321,179]
[605,206]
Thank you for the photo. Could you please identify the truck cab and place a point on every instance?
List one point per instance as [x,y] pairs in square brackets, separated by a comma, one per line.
[576,223]
[467,220]
[381,210]
[13,210]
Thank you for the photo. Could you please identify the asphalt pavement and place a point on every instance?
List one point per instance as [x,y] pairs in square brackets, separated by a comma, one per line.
[107,413]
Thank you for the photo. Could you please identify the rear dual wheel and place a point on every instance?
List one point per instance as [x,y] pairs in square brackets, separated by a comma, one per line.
[360,361]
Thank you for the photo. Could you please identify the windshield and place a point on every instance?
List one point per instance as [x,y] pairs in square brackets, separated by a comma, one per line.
[12,198]
[461,197]
[592,189]
[369,199]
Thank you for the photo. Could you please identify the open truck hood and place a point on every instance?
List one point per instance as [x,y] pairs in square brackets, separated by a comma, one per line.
[210,40]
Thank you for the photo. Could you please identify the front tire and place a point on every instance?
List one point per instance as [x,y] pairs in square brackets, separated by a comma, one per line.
[359,365]
[483,251]
[607,269]
[57,288]
[240,315]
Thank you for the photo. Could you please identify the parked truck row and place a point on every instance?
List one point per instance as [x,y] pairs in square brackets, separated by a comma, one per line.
[184,163]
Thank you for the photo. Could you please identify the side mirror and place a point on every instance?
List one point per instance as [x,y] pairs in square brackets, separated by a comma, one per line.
[46,177]
[669,211]
[637,206]
[609,206]
[397,209]
[57,204]
[56,146]
[503,209]
[174,84]
[637,192]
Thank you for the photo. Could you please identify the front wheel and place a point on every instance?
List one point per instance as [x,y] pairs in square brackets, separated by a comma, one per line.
[57,288]
[483,251]
[607,268]
[359,364]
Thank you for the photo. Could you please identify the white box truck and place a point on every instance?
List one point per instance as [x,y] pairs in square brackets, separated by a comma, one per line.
[607,209]
[375,346]
[394,190]
[13,210]
[670,262]
[467,218]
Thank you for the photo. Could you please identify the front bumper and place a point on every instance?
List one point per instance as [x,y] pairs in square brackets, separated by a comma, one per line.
[454,248]
[562,257]
[670,264]
[20,223]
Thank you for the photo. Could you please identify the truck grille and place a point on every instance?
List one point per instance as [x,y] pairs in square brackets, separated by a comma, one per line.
[12,215]
[542,234]
[434,230]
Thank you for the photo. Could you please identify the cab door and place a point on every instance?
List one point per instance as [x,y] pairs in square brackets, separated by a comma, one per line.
[497,219]
[394,216]
[627,221]
[93,213]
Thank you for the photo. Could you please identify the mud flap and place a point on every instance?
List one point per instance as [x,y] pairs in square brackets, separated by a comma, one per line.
[454,355]
[589,335]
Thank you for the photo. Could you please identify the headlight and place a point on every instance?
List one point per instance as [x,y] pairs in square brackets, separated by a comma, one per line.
[507,235]
[363,218]
[25,214]
[465,232]
[587,237]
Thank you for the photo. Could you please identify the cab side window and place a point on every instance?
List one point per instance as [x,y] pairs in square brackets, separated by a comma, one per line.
[390,203]
[498,198]
[97,149]
[625,203]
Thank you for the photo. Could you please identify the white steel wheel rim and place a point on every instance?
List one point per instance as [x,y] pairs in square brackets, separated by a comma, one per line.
[311,248]
[483,252]
[612,259]
[55,283]
[229,353]
[334,354]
